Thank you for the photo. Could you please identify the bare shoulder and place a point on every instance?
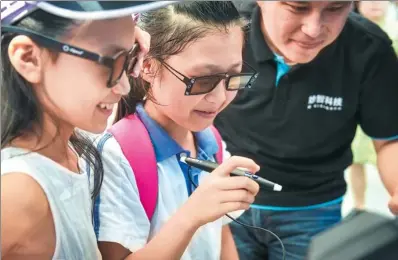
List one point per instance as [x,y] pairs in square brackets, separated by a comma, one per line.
[24,206]
[24,193]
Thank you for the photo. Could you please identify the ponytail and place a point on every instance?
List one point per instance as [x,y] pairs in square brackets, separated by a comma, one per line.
[127,105]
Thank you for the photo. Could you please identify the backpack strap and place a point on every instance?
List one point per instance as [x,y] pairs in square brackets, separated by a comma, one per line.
[143,160]
[137,147]
[219,154]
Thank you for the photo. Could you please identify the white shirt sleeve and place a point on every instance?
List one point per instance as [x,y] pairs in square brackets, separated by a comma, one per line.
[226,153]
[235,214]
[120,215]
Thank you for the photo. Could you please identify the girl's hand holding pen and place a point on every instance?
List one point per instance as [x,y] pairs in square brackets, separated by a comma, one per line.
[218,194]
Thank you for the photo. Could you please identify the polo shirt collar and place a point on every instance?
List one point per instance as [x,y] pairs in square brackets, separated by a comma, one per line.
[165,146]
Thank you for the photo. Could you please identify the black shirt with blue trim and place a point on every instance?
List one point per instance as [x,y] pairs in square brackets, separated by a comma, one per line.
[300,131]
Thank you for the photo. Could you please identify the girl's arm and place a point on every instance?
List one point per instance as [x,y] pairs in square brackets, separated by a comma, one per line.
[228,247]
[24,207]
[171,241]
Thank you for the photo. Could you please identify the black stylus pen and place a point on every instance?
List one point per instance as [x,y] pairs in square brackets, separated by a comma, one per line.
[210,166]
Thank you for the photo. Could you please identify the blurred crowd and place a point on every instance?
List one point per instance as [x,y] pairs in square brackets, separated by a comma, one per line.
[385,15]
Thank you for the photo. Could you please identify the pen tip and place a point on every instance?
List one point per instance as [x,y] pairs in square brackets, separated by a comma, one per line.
[183,156]
[277,187]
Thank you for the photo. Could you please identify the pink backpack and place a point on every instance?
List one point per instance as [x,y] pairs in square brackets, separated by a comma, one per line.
[131,133]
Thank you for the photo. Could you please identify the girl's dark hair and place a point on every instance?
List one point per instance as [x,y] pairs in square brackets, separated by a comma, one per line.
[21,112]
[172,29]
[355,8]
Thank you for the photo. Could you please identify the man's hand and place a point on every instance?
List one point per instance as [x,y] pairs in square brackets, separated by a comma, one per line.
[393,204]
[388,168]
[144,40]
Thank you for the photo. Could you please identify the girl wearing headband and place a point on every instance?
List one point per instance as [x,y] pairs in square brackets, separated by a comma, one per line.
[64,66]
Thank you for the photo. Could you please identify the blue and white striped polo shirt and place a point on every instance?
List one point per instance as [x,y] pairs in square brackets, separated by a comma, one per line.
[118,213]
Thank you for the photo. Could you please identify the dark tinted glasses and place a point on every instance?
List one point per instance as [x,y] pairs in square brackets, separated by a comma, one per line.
[206,84]
[119,63]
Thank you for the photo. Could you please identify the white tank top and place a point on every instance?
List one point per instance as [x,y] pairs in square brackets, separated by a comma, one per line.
[69,199]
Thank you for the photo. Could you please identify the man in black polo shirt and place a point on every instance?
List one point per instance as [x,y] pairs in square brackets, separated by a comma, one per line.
[322,70]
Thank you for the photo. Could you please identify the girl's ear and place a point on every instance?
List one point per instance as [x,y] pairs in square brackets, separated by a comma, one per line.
[25,57]
[148,70]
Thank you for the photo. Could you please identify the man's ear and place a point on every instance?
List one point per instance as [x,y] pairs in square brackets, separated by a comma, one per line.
[25,57]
